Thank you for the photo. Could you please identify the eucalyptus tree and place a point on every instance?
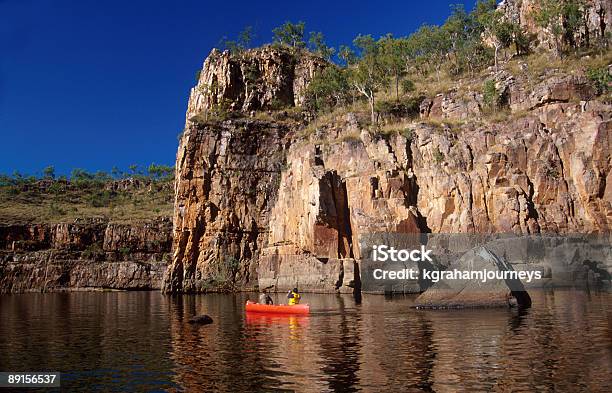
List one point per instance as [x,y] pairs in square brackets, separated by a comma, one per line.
[393,59]
[318,45]
[347,55]
[290,34]
[328,89]
[435,45]
[497,31]
[369,75]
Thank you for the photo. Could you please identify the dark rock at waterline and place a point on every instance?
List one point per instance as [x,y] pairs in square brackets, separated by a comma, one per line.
[201,320]
[465,293]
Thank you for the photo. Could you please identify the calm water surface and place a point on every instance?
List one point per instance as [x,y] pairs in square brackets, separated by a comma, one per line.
[141,341]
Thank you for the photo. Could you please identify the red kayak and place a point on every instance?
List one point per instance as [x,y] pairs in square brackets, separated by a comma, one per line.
[277,308]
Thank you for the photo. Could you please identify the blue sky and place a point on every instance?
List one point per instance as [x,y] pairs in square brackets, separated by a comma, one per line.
[96,84]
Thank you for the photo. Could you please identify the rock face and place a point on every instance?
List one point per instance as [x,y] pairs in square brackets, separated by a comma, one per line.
[265,78]
[88,255]
[452,106]
[545,172]
[476,292]
[556,89]
[226,182]
[577,260]
[268,203]
[596,25]
[517,94]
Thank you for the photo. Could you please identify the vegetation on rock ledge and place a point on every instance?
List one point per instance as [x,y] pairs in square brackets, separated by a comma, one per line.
[392,75]
[120,196]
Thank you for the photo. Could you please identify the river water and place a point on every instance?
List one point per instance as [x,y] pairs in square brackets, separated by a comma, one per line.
[141,341]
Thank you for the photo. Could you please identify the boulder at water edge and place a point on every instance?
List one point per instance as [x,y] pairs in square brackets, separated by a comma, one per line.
[201,320]
[462,293]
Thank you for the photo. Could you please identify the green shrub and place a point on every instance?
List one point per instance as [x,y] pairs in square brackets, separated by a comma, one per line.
[384,107]
[81,178]
[407,108]
[223,279]
[5,181]
[93,251]
[13,190]
[408,133]
[49,172]
[276,104]
[408,86]
[232,265]
[490,95]
[251,73]
[601,79]
[221,111]
[438,156]
[55,210]
[328,89]
[552,172]
[290,34]
[160,171]
[100,199]
[56,188]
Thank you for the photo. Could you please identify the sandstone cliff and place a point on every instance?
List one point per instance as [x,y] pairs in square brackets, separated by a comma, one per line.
[264,78]
[88,255]
[269,203]
[595,26]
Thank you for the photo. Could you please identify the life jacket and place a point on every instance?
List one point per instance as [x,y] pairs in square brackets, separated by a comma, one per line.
[294,298]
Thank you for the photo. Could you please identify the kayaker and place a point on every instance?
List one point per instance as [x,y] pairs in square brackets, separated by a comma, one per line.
[294,297]
[264,298]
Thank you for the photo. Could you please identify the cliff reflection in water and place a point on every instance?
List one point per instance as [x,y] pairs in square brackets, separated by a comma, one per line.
[562,343]
[107,342]
[141,341]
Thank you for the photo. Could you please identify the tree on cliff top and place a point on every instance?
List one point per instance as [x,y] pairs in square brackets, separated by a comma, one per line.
[495,29]
[434,46]
[160,171]
[49,172]
[328,89]
[290,34]
[369,75]
[347,55]
[464,33]
[318,45]
[392,52]
[240,45]
[498,30]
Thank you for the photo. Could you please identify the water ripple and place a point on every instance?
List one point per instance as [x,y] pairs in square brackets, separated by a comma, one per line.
[141,341]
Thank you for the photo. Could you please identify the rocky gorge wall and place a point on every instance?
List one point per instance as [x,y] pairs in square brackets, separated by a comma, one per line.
[596,24]
[264,203]
[263,78]
[226,183]
[85,255]
[524,177]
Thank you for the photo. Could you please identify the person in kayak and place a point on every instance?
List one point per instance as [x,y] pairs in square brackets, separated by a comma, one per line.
[264,298]
[294,297]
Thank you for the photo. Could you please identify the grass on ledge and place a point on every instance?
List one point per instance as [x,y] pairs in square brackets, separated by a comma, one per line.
[67,204]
